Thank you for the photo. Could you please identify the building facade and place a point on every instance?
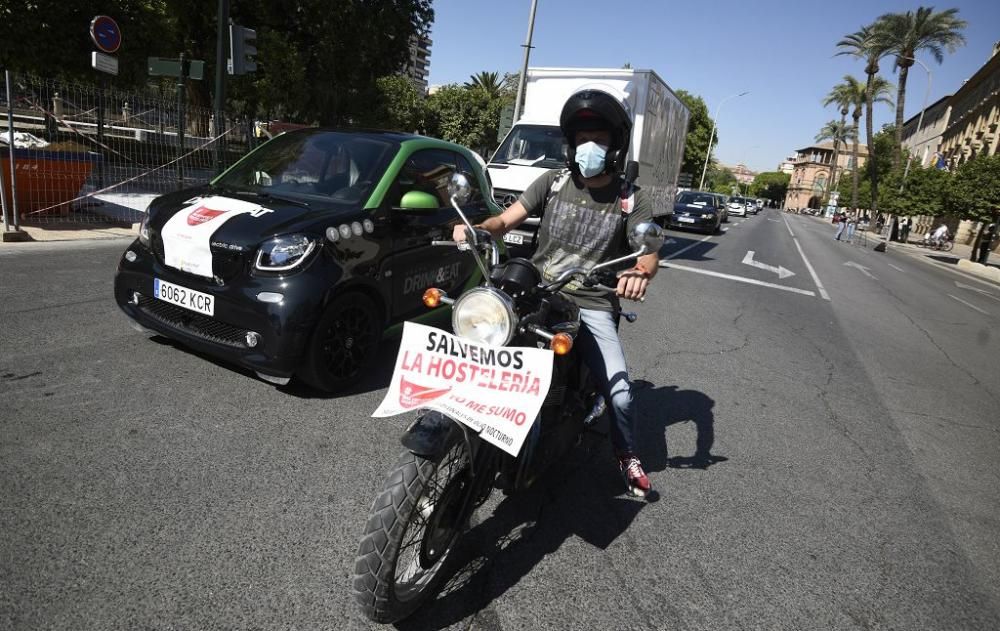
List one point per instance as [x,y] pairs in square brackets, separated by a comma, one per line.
[974,116]
[787,165]
[922,144]
[742,174]
[810,179]
[418,66]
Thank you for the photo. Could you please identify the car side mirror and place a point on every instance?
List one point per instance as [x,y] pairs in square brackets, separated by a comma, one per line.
[419,200]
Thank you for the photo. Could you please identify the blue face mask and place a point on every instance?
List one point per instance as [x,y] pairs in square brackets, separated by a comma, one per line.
[590,158]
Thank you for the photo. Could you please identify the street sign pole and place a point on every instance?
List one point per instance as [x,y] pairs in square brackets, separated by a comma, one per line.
[10,145]
[221,47]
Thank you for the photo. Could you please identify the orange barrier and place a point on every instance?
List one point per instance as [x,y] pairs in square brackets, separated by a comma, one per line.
[46,178]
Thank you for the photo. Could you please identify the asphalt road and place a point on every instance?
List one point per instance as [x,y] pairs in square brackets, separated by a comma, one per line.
[853,413]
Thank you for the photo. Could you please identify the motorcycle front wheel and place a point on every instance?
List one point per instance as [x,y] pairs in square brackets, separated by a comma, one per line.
[412,526]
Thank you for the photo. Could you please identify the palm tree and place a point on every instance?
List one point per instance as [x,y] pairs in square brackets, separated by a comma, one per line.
[906,34]
[868,43]
[488,81]
[856,94]
[838,132]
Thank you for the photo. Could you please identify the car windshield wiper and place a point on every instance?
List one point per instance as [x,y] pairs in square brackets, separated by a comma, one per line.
[265,195]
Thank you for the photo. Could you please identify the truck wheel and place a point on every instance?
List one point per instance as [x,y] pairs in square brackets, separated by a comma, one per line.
[343,345]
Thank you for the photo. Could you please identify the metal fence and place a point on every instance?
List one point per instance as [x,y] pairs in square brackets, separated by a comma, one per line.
[88,154]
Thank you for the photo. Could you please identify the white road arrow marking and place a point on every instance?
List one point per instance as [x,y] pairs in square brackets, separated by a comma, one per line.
[862,269]
[780,271]
[976,289]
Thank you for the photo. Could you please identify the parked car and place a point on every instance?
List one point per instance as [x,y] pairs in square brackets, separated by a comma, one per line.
[736,206]
[697,210]
[294,261]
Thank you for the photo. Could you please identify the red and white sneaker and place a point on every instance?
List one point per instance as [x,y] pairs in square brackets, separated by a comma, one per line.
[635,477]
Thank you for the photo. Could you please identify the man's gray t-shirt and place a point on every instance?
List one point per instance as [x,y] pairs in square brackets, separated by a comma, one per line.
[582,227]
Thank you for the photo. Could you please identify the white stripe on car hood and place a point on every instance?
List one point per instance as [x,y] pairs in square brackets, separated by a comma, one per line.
[187,235]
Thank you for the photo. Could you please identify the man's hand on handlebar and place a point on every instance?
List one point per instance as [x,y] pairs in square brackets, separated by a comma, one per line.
[632,284]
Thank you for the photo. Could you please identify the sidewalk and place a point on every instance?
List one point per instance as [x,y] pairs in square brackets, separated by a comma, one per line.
[957,259]
[69,231]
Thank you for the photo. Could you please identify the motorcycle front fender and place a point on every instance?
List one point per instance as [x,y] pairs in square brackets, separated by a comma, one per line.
[430,435]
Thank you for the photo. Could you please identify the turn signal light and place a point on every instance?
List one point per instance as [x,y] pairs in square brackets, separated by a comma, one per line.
[432,297]
[561,343]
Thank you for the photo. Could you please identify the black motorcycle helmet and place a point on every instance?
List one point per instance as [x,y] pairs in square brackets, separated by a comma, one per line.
[592,109]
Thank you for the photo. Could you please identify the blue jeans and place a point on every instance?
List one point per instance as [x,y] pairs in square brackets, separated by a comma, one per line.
[850,231]
[840,230]
[601,349]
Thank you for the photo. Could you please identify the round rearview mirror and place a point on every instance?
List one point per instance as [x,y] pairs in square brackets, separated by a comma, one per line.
[459,188]
[647,234]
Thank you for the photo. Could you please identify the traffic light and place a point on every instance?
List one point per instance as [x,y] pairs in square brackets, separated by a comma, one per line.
[242,50]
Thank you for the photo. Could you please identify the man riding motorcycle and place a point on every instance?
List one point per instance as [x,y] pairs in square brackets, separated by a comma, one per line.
[587,209]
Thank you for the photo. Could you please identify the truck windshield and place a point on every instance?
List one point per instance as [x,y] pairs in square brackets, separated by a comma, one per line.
[532,145]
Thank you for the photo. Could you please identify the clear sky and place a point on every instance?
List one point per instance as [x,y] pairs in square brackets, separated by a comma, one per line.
[782,51]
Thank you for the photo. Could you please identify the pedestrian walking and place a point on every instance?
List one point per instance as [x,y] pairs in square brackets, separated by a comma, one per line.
[852,221]
[986,242]
[904,231]
[841,220]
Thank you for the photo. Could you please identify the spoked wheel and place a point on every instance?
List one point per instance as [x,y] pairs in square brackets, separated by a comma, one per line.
[946,245]
[412,527]
[344,344]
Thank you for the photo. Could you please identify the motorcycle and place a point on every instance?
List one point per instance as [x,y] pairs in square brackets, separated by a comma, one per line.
[448,470]
[945,244]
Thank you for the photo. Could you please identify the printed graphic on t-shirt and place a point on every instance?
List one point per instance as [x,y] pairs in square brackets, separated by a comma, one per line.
[578,236]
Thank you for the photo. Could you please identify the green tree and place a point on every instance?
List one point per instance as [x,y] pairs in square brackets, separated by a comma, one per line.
[399,106]
[857,94]
[868,43]
[772,185]
[975,193]
[839,132]
[925,192]
[467,117]
[50,37]
[906,34]
[699,128]
[720,180]
[488,81]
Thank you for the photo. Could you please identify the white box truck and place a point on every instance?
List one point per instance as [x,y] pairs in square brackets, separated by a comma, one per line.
[535,144]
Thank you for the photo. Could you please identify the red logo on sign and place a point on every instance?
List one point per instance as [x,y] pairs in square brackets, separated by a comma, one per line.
[411,395]
[203,214]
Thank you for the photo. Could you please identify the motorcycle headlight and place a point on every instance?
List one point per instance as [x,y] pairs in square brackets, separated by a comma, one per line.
[484,315]
[284,253]
[144,229]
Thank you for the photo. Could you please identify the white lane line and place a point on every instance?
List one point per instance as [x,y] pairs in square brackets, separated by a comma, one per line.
[812,272]
[741,279]
[981,292]
[787,226]
[898,269]
[971,306]
[683,250]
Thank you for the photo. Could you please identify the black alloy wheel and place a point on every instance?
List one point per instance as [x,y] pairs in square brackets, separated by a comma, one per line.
[344,344]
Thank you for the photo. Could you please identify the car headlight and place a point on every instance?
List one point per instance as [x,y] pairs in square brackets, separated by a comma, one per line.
[484,315]
[144,229]
[708,216]
[284,253]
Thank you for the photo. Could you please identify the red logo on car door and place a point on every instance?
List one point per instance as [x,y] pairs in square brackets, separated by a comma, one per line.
[202,214]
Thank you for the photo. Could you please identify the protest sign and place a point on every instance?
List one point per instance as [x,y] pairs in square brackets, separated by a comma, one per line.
[495,390]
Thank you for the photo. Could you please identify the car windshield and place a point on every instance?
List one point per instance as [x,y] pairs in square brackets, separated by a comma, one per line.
[332,166]
[532,145]
[696,198]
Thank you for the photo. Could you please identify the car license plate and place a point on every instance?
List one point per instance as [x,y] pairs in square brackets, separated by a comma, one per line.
[685,219]
[514,239]
[184,297]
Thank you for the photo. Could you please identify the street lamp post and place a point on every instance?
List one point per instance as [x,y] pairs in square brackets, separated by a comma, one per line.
[711,137]
[920,121]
